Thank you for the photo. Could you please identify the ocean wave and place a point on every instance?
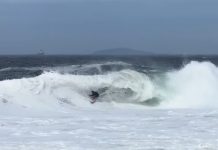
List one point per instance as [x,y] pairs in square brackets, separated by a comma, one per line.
[192,86]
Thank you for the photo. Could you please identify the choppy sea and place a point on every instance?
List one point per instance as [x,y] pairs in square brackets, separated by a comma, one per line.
[145,102]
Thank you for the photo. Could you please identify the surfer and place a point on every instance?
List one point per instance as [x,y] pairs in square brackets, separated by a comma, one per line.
[94,96]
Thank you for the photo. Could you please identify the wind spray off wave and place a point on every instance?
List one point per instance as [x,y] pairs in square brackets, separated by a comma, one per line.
[193,86]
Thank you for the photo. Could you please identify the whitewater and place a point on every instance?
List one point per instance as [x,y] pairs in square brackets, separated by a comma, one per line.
[140,107]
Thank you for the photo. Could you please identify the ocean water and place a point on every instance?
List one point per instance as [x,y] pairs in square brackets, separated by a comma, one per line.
[146,102]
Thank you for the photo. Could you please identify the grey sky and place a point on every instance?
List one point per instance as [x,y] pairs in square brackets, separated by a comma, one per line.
[83,26]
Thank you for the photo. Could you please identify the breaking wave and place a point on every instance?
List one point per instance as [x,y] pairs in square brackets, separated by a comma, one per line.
[193,86]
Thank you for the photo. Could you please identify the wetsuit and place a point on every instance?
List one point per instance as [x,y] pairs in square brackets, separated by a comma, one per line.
[94,96]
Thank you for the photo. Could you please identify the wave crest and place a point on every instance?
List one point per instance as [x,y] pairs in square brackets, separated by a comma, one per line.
[195,85]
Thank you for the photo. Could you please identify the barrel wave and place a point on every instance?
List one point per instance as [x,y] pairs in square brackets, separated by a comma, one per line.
[192,86]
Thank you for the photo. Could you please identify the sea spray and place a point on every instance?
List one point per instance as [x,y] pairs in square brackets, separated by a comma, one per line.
[192,86]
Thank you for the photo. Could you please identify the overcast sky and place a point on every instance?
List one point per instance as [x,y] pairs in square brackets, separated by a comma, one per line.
[83,26]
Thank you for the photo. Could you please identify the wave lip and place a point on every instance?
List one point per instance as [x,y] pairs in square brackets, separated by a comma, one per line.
[50,88]
[91,69]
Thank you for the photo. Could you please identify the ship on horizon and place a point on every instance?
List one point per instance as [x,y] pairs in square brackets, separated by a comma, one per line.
[41,53]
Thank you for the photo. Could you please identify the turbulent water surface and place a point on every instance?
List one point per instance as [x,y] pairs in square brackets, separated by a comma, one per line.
[149,102]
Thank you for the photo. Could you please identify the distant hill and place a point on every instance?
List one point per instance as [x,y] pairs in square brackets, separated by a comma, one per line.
[120,51]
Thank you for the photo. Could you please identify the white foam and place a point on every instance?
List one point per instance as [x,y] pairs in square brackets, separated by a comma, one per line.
[52,90]
[193,86]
